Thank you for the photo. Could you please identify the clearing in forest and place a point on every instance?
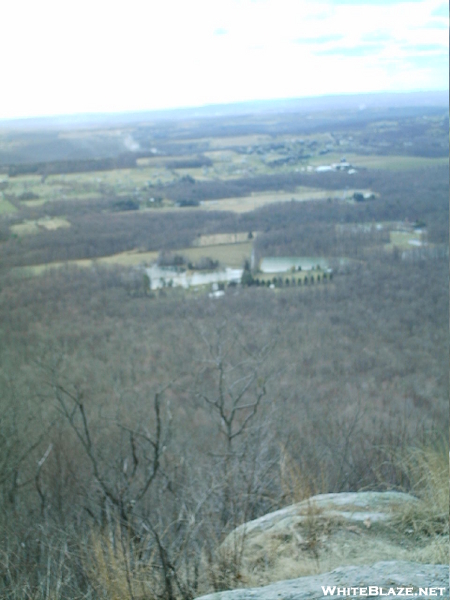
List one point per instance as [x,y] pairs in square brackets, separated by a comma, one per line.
[230,255]
[405,240]
[257,200]
[129,258]
[36,226]
[6,207]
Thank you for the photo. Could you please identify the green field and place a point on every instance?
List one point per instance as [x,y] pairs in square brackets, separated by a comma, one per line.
[405,240]
[6,207]
[87,186]
[30,227]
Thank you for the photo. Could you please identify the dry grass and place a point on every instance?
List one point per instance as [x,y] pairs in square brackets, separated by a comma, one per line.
[131,258]
[415,531]
[427,521]
[296,484]
[230,255]
[403,239]
[302,194]
[114,569]
[125,259]
[248,203]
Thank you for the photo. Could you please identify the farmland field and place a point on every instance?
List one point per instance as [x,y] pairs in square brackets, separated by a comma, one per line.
[231,255]
[406,239]
[301,194]
[30,227]
[6,207]
[124,259]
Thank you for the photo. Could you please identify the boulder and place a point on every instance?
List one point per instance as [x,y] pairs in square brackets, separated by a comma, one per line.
[328,531]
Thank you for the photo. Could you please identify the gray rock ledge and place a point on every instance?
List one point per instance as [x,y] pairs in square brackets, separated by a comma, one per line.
[387,575]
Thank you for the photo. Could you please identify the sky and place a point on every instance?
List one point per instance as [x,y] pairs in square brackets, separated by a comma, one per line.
[67,56]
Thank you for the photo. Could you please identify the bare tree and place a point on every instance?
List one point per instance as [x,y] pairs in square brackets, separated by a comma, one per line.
[124,486]
[231,385]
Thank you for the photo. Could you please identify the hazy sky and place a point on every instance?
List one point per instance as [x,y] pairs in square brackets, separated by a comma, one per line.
[67,56]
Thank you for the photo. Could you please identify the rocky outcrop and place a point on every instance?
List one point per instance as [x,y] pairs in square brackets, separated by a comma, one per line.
[326,532]
[386,575]
[354,507]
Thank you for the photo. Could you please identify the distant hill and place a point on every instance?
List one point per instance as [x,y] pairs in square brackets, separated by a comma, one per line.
[261,107]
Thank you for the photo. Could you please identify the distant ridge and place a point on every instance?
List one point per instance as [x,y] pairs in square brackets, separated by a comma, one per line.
[306,104]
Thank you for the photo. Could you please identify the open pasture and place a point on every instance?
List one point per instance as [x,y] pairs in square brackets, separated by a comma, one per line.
[34,203]
[222,156]
[229,164]
[131,258]
[257,200]
[405,240]
[115,180]
[52,188]
[6,207]
[160,170]
[36,226]
[230,255]
[89,185]
[154,162]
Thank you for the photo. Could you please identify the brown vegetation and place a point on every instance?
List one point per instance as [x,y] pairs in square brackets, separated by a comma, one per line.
[138,428]
[137,432]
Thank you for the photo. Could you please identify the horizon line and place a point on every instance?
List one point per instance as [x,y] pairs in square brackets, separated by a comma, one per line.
[217,105]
